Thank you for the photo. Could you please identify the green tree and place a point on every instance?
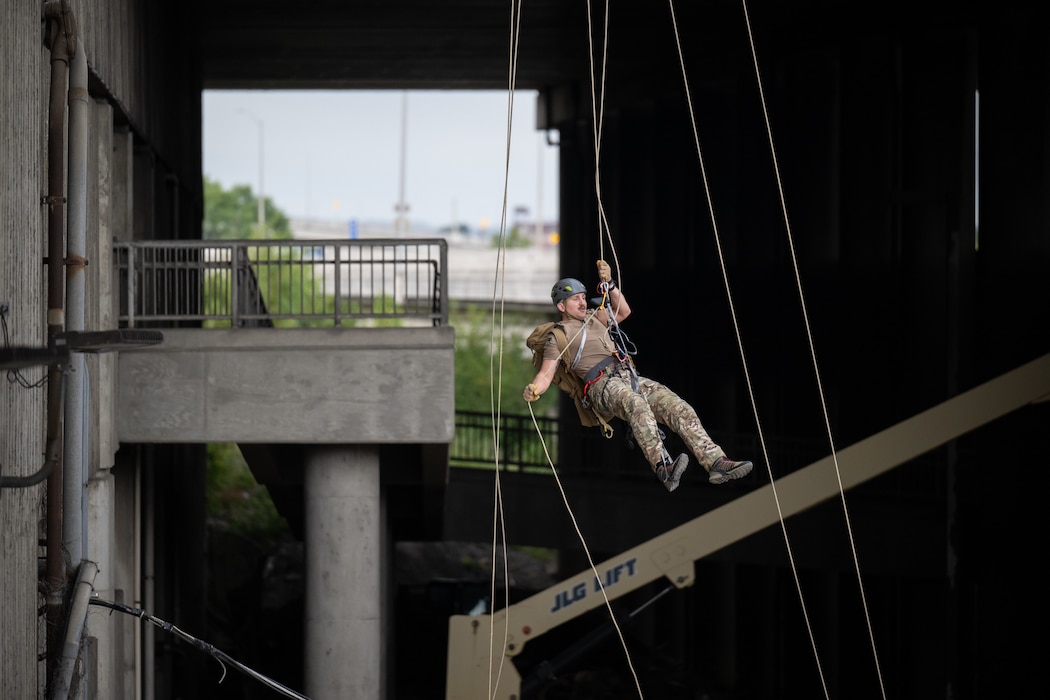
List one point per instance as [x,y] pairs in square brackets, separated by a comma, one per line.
[292,288]
[233,215]
[478,365]
[236,502]
[482,364]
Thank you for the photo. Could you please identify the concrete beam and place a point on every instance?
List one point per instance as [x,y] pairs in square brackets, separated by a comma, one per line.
[246,385]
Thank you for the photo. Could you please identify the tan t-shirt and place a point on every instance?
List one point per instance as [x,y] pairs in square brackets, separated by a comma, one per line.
[597,345]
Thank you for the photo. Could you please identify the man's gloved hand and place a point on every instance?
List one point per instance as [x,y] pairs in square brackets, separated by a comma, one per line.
[605,275]
[530,394]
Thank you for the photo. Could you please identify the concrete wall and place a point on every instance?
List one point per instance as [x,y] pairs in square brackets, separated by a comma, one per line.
[373,385]
[143,178]
[24,70]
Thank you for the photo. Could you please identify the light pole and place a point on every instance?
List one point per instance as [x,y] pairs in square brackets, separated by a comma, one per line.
[401,222]
[262,193]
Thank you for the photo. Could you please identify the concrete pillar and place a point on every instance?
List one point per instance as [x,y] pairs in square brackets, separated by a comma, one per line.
[343,633]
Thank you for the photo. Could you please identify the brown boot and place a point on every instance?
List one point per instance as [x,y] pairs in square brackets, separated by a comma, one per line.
[670,473]
[725,469]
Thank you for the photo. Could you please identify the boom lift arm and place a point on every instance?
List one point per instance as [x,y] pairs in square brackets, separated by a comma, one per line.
[475,641]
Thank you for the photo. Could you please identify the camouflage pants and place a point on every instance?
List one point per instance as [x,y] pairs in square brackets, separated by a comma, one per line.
[653,404]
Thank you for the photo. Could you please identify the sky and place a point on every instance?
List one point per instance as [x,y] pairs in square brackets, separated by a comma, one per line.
[338,155]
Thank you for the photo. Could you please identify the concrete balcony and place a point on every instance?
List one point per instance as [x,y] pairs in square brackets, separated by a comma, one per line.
[287,342]
[258,385]
[287,348]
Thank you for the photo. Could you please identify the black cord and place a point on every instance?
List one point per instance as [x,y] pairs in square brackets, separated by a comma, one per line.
[222,657]
[13,375]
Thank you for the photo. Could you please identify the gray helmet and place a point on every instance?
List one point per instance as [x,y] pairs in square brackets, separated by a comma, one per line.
[565,288]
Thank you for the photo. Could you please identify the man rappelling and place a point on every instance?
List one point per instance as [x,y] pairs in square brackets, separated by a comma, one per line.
[589,344]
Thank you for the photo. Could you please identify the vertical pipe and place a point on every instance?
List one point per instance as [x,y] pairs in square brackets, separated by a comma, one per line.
[75,444]
[137,571]
[132,268]
[78,611]
[56,176]
[148,651]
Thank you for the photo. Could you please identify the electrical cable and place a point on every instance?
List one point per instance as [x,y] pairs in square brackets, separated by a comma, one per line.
[222,657]
[14,376]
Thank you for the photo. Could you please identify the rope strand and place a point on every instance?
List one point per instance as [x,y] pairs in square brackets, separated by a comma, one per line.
[499,533]
[812,350]
[740,346]
[605,234]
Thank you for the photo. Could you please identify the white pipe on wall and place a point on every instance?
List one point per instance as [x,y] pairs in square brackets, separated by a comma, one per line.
[75,440]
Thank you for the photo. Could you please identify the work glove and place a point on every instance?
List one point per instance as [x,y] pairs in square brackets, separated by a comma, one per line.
[605,275]
[530,394]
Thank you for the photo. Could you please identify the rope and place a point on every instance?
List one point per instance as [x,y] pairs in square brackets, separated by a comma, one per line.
[827,424]
[499,533]
[813,353]
[498,505]
[598,118]
[624,347]
[587,552]
[604,232]
[598,110]
[740,345]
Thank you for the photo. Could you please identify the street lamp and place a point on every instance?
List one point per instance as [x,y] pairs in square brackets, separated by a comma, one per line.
[262,194]
[401,222]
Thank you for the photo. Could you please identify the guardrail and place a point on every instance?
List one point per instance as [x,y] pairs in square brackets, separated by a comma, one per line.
[283,283]
[520,449]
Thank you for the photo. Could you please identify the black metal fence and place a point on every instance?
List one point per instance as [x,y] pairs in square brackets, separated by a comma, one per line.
[520,445]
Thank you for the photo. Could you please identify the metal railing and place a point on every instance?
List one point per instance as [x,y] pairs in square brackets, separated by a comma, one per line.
[520,449]
[283,283]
